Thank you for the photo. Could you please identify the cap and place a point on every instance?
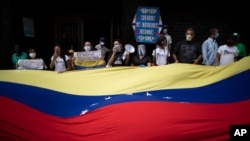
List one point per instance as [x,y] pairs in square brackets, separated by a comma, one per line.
[102,39]
[165,26]
[234,36]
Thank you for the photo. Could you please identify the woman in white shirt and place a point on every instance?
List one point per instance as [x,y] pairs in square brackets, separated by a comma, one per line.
[59,61]
[161,53]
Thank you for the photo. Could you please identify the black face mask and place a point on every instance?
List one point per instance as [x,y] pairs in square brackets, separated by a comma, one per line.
[229,43]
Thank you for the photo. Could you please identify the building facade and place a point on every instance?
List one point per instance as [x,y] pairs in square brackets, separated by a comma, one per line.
[71,23]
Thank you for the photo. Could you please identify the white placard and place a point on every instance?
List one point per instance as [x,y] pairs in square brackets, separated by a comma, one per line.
[88,55]
[35,64]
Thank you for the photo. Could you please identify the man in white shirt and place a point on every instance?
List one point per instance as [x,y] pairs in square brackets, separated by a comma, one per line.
[227,53]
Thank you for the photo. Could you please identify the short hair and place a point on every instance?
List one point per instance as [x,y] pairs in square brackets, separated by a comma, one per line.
[118,40]
[213,30]
[191,29]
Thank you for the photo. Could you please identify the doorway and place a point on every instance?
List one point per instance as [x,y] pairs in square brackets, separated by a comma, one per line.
[74,31]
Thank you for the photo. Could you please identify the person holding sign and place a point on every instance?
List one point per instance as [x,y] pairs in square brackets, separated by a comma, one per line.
[32,63]
[88,58]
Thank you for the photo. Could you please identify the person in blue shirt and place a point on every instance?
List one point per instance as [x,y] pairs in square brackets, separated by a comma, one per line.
[210,47]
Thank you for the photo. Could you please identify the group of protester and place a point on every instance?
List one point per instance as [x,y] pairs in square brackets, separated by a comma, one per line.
[186,51]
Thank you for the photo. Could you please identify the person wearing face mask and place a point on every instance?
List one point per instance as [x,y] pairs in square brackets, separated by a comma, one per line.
[161,53]
[141,59]
[210,47]
[87,46]
[115,57]
[33,62]
[101,46]
[18,55]
[168,37]
[188,51]
[228,52]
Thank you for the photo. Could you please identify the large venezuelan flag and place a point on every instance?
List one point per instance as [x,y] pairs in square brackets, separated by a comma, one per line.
[176,102]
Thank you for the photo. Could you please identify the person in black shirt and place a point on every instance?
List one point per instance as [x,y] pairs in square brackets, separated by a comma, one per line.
[188,51]
[141,59]
[115,57]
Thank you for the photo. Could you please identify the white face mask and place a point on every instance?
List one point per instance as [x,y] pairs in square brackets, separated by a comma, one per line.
[87,48]
[102,43]
[188,37]
[118,48]
[32,55]
[165,31]
[216,35]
